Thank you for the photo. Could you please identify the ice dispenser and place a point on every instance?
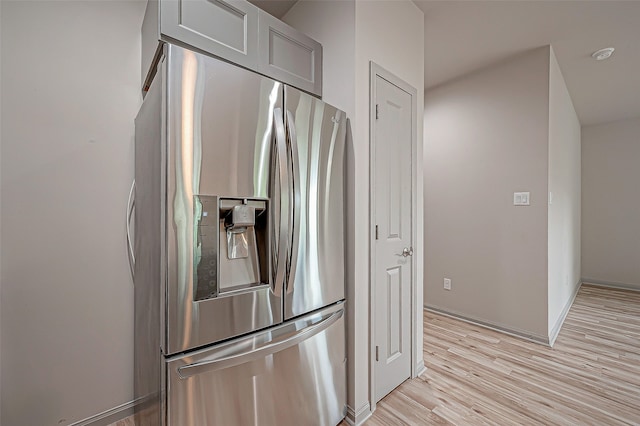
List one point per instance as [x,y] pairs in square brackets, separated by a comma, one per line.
[231,245]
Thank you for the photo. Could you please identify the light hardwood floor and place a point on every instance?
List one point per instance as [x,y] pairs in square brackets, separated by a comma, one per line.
[477,376]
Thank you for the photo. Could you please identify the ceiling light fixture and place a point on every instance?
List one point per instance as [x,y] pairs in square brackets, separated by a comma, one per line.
[603,54]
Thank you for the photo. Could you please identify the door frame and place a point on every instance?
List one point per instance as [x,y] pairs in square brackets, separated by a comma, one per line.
[376,70]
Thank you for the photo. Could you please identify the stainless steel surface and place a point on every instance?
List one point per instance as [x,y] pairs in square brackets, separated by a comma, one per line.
[406,252]
[237,195]
[148,248]
[220,136]
[252,349]
[318,248]
[256,380]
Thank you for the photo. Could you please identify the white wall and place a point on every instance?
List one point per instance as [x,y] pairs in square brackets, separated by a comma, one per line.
[610,203]
[564,201]
[391,33]
[486,137]
[70,91]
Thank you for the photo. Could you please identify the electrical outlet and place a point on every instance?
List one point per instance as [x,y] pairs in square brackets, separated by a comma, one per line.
[447,284]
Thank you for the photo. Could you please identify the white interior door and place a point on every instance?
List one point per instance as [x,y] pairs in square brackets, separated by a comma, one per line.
[392,257]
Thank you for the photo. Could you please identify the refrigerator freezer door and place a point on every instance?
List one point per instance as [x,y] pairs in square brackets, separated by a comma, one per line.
[220,132]
[149,246]
[293,374]
[317,133]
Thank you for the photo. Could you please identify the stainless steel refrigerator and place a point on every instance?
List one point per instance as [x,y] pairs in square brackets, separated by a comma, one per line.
[239,248]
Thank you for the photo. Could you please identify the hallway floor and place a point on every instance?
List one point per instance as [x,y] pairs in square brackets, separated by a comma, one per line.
[477,376]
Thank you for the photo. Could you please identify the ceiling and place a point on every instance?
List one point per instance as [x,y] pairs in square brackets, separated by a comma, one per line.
[463,36]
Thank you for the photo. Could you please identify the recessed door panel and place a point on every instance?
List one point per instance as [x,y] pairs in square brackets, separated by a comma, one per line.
[394,157]
[225,28]
[217,21]
[394,310]
[289,55]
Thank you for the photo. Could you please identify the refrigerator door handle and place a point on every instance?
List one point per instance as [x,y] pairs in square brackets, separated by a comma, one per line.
[131,206]
[295,208]
[263,351]
[283,177]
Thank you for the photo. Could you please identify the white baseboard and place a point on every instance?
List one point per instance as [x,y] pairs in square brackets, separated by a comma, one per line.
[111,416]
[359,416]
[420,368]
[553,334]
[544,340]
[611,284]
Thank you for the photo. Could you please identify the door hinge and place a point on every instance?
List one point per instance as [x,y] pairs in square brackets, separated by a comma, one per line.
[377,350]
[376,232]
[377,116]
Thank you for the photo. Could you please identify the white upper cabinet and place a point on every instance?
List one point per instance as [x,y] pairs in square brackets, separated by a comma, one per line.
[288,55]
[236,31]
[225,28]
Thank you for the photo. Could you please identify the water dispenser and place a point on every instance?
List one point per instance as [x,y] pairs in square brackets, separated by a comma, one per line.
[230,246]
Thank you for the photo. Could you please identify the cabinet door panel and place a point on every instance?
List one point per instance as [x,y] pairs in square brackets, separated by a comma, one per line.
[225,28]
[289,56]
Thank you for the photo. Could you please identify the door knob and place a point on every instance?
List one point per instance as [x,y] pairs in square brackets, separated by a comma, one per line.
[406,252]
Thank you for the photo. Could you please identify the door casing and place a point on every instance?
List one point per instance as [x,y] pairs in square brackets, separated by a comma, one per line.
[374,71]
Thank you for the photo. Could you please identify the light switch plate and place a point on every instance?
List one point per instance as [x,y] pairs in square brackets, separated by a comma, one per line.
[521,199]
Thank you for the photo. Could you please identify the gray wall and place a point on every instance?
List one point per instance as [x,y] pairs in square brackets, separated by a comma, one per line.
[610,203]
[486,137]
[564,199]
[70,91]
